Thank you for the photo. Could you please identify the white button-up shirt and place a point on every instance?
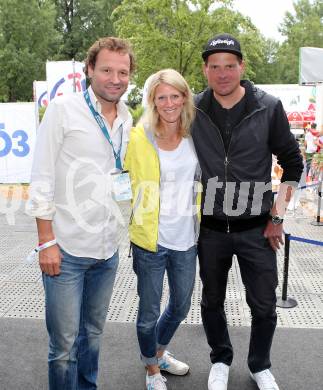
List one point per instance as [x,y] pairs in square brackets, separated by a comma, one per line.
[71,175]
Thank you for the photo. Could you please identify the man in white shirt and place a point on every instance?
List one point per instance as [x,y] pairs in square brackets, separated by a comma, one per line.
[81,141]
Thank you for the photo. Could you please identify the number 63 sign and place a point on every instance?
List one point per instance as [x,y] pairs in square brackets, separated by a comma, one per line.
[21,138]
[17,138]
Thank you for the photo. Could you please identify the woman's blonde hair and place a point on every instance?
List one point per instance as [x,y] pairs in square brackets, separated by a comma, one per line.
[176,80]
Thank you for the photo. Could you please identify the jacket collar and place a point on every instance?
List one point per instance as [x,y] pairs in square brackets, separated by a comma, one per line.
[122,109]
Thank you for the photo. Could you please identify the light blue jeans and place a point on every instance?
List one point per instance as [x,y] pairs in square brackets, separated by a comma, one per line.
[77,302]
[155,333]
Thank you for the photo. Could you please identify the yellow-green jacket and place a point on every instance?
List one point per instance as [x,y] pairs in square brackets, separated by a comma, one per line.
[142,162]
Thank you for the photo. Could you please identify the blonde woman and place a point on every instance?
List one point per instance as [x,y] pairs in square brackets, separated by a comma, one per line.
[165,173]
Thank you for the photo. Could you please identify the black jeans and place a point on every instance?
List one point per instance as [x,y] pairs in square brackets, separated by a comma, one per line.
[258,267]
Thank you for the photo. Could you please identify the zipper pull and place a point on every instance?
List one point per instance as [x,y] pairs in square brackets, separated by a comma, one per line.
[226,161]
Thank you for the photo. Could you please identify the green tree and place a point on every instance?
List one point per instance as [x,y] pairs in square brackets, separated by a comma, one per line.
[267,72]
[80,23]
[27,36]
[172,33]
[302,28]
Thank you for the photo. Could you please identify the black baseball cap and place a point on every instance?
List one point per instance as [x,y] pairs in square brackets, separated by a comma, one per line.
[222,43]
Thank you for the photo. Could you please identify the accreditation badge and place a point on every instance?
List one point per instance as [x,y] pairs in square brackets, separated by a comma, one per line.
[121,186]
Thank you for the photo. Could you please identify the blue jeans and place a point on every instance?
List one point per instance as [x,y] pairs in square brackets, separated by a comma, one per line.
[77,302]
[155,333]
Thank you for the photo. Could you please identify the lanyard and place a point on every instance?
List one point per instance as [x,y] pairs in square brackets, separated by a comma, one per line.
[104,129]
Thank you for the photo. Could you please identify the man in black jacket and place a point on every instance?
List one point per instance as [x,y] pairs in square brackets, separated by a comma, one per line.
[237,129]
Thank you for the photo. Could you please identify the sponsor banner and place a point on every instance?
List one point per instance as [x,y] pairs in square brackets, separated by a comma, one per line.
[17,141]
[40,93]
[40,97]
[310,65]
[64,77]
[299,101]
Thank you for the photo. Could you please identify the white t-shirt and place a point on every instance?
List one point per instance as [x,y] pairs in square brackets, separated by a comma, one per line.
[311,147]
[176,223]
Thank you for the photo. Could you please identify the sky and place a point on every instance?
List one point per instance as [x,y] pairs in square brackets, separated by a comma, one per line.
[266,15]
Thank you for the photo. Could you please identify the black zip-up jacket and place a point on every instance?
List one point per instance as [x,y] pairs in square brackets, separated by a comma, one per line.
[237,191]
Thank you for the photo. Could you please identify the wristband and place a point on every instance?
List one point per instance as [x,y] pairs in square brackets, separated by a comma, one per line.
[41,247]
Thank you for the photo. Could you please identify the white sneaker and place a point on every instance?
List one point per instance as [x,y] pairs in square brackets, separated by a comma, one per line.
[265,380]
[168,363]
[155,382]
[218,378]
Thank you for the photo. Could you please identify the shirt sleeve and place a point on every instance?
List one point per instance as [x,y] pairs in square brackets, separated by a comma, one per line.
[284,145]
[48,143]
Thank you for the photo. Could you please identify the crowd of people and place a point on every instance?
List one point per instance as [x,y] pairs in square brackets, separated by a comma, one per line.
[311,147]
[198,172]
[313,151]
